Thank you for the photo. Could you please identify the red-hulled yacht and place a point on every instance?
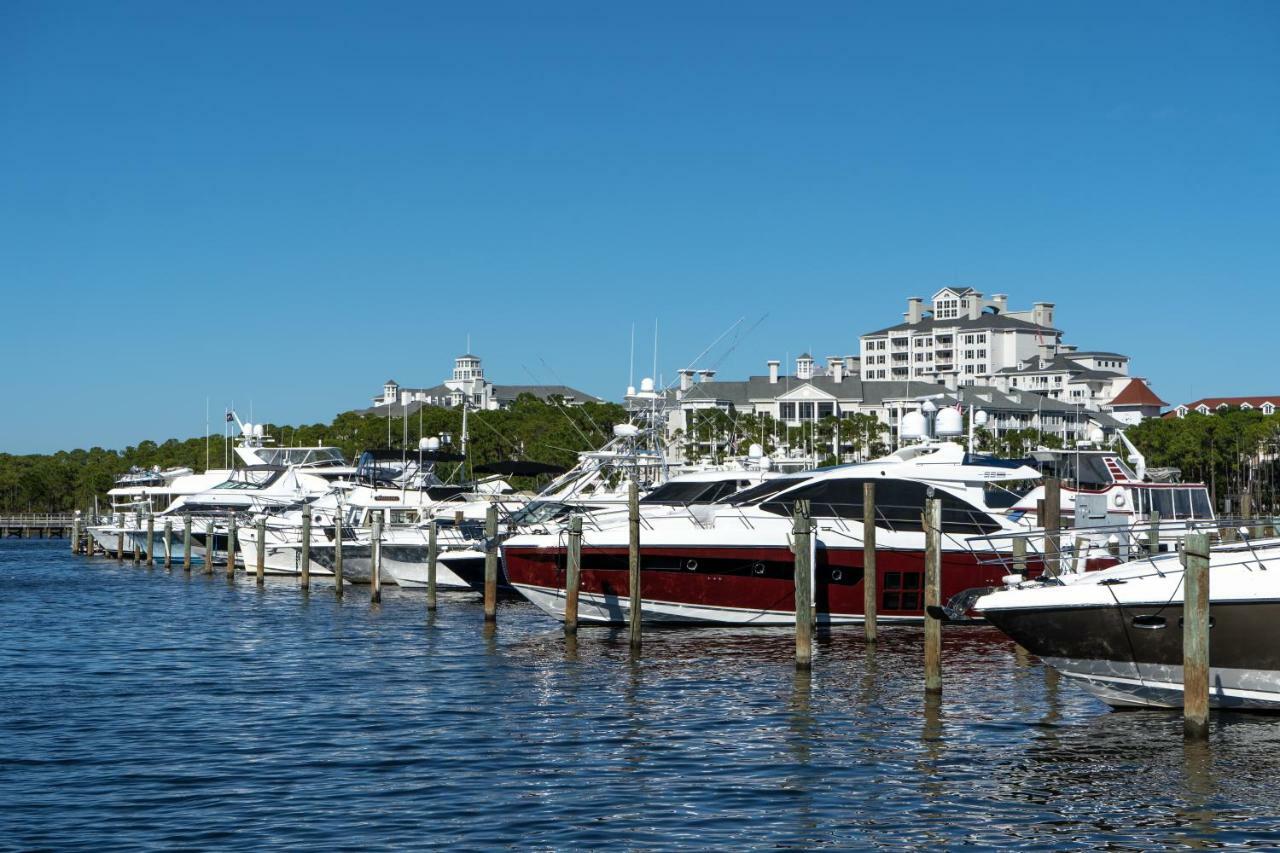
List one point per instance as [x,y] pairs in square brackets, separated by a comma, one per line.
[731,562]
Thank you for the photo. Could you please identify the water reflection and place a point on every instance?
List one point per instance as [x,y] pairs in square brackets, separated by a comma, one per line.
[154,711]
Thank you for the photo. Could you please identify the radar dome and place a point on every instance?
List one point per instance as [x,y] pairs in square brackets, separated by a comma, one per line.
[913,426]
[258,431]
[246,428]
[625,430]
[646,385]
[755,451]
[424,443]
[433,443]
[949,422]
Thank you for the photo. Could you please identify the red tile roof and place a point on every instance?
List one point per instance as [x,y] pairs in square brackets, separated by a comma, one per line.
[1137,393]
[1233,402]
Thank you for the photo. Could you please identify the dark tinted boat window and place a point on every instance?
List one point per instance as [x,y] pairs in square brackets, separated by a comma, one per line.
[1162,502]
[691,493]
[899,504]
[763,490]
[1200,503]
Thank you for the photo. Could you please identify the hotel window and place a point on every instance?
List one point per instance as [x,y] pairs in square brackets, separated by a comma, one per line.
[787,411]
[806,411]
[826,410]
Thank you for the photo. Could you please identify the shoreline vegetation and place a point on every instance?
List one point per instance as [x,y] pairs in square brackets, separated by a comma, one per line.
[1233,451]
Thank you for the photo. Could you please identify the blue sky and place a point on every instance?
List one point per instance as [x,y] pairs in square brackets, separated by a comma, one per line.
[286,204]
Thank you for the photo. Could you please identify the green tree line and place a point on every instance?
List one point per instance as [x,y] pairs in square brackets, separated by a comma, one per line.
[530,430]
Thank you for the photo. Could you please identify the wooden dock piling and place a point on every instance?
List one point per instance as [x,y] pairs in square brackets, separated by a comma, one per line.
[120,538]
[1052,524]
[634,611]
[304,550]
[1195,637]
[869,592]
[375,560]
[75,533]
[168,543]
[231,545]
[491,563]
[151,540]
[932,595]
[801,531]
[337,552]
[186,543]
[260,565]
[433,558]
[137,546]
[572,575]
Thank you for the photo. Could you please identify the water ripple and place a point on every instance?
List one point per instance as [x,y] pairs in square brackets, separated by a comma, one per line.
[145,708]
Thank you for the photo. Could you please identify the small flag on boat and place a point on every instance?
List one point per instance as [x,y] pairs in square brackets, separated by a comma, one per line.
[231,416]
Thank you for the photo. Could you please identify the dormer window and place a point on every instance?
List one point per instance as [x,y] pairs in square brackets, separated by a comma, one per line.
[1223,406]
[1202,409]
[1267,408]
[1244,407]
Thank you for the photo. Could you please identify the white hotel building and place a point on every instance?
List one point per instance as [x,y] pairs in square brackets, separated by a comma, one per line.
[962,349]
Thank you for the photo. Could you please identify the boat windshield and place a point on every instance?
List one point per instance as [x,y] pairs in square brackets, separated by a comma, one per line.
[1173,501]
[307,456]
[538,512]
[767,489]
[696,492]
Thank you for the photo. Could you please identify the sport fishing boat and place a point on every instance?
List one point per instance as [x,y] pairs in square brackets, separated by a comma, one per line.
[731,562]
[1118,631]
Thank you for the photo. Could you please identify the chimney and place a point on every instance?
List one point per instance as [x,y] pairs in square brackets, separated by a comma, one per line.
[1042,314]
[1000,302]
[851,364]
[773,371]
[837,371]
[686,379]
[915,310]
[973,302]
[707,375]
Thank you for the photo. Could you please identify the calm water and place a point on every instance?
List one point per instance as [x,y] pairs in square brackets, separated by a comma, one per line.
[149,709]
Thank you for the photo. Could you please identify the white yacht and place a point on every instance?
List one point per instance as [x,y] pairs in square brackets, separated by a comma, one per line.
[1118,632]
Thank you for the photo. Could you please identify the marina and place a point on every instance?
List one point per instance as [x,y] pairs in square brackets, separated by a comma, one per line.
[639,427]
[190,709]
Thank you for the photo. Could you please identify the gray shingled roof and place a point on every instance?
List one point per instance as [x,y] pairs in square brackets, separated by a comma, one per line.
[1061,364]
[542,392]
[984,321]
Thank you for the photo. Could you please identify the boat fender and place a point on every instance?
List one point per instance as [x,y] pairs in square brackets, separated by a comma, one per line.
[1012,581]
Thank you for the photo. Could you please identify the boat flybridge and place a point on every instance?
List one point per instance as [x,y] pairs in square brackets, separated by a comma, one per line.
[730,562]
[253,447]
[399,490]
[1100,489]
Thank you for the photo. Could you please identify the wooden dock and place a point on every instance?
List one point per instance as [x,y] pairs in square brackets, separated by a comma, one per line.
[37,526]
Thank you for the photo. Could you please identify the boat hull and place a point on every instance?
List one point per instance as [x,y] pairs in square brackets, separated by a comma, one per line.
[738,585]
[1131,656]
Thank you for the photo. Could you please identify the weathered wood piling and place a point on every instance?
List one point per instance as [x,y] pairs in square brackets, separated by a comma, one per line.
[337,552]
[932,595]
[151,540]
[168,543]
[572,575]
[634,611]
[869,592]
[801,531]
[375,560]
[304,550]
[260,564]
[491,563]
[231,545]
[186,543]
[1195,637]
[433,559]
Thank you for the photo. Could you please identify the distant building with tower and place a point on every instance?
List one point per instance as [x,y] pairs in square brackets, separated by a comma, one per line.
[468,385]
